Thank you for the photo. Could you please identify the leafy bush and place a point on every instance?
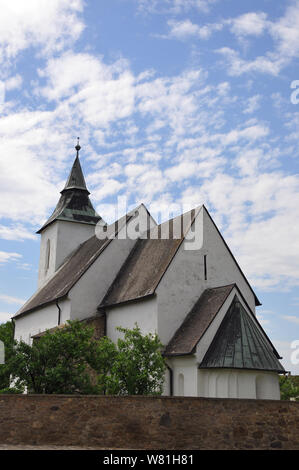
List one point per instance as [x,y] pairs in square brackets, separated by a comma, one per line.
[69,361]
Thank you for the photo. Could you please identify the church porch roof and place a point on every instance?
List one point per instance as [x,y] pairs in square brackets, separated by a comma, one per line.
[232,335]
[240,343]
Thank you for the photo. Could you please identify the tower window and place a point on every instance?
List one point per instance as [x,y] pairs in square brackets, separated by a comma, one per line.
[48,252]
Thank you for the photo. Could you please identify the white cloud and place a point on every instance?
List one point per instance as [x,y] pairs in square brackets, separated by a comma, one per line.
[173,6]
[253,104]
[291,318]
[4,317]
[18,232]
[284,33]
[249,24]
[186,169]
[50,25]
[264,64]
[13,83]
[257,216]
[6,256]
[11,300]
[96,92]
[185,29]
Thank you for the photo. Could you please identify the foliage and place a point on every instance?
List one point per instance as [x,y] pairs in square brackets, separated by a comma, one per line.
[289,387]
[58,362]
[11,390]
[6,335]
[137,367]
[69,361]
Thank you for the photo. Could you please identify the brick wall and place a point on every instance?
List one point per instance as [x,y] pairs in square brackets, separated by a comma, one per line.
[148,422]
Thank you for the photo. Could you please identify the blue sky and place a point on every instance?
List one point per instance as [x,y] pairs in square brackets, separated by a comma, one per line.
[177,103]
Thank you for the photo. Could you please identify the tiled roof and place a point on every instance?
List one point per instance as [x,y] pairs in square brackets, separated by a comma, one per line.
[197,321]
[147,263]
[70,272]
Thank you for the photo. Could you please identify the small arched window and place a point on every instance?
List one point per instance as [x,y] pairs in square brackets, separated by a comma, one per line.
[48,253]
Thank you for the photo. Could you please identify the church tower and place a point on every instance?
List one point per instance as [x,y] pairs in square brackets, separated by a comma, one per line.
[72,222]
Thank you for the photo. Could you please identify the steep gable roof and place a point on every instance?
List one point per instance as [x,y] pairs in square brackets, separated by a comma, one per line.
[197,321]
[66,277]
[148,261]
[240,343]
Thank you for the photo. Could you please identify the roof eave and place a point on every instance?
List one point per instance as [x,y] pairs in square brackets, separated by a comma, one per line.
[45,304]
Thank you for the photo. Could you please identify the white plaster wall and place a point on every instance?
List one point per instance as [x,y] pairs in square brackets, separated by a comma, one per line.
[180,288]
[235,383]
[69,236]
[64,238]
[50,233]
[187,368]
[184,280]
[166,383]
[88,292]
[221,268]
[143,312]
[40,320]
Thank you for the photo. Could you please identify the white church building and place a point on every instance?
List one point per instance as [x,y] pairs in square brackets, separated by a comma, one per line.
[178,279]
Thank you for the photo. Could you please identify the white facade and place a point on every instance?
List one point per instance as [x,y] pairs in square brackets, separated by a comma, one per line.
[144,313]
[202,261]
[235,383]
[42,319]
[58,240]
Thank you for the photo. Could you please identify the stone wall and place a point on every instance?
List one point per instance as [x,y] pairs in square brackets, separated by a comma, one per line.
[148,422]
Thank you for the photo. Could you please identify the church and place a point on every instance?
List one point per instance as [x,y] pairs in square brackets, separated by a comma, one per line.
[178,279]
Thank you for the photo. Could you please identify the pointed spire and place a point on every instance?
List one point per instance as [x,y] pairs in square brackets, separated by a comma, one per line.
[76,178]
[74,204]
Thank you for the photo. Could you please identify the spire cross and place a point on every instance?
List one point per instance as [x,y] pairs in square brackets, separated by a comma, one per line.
[78,147]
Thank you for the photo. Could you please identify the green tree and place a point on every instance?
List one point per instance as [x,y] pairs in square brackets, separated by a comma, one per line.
[289,387]
[6,336]
[58,362]
[138,366]
[69,360]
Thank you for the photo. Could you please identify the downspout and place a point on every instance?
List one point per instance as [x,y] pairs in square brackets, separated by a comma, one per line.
[170,380]
[14,327]
[59,312]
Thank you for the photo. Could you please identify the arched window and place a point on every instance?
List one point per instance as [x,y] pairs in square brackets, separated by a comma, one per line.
[181,385]
[48,252]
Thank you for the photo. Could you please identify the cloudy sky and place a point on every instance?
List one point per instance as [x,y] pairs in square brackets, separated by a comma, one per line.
[177,103]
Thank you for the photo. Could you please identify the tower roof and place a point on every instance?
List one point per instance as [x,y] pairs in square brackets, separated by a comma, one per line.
[74,204]
[76,178]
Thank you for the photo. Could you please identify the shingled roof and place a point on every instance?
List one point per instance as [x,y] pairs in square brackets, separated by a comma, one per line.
[59,285]
[197,321]
[240,343]
[148,262]
[74,204]
[66,277]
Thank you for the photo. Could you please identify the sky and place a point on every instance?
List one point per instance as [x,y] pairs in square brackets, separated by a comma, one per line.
[177,103]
